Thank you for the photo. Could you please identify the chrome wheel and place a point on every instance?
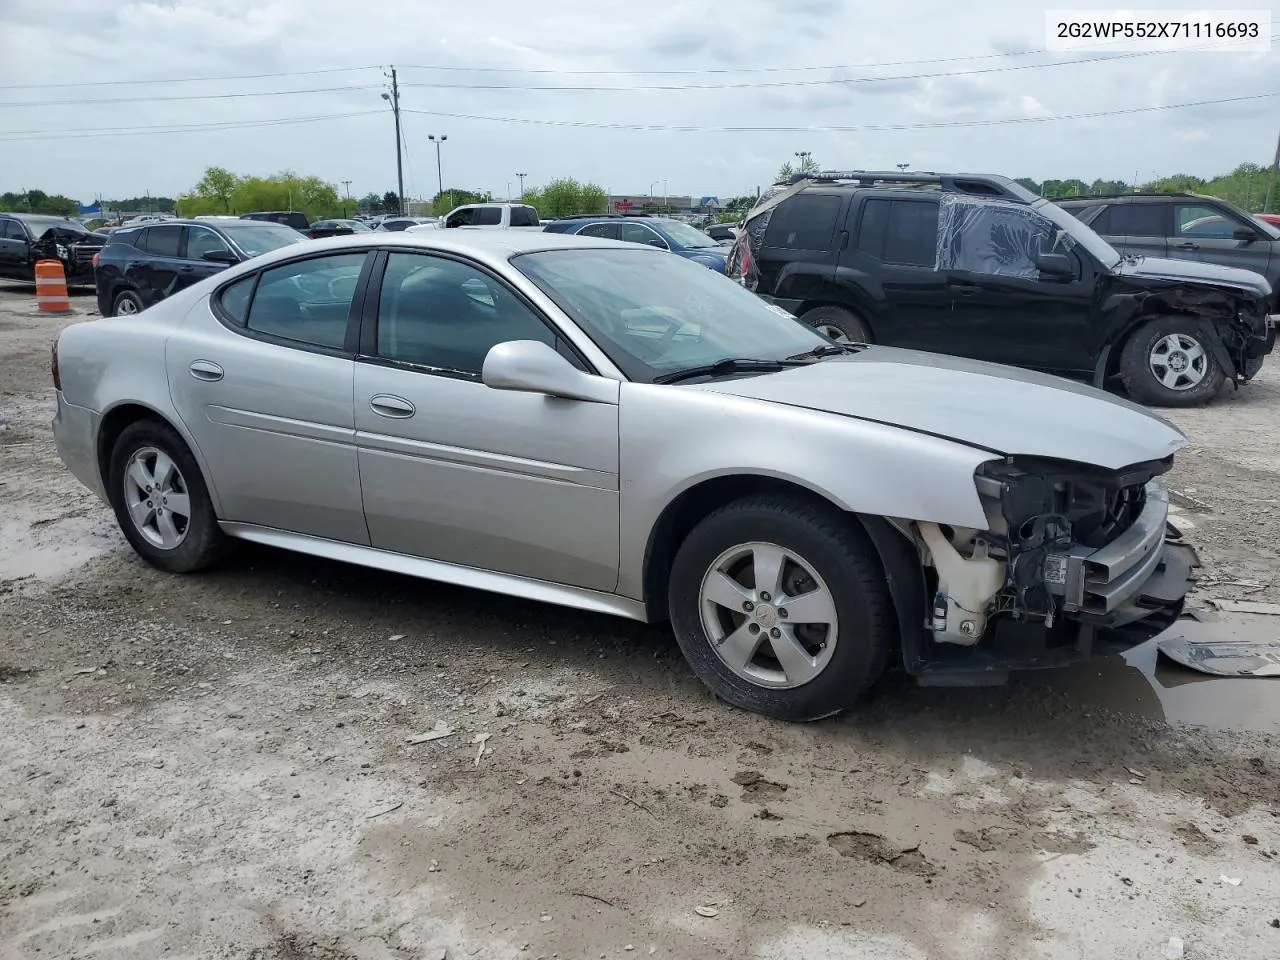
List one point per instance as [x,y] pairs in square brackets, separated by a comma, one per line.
[157,498]
[1178,361]
[769,615]
[126,307]
[833,332]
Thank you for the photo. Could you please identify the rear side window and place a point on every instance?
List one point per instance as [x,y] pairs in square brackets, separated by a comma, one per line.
[1134,220]
[524,217]
[307,301]
[805,222]
[162,241]
[234,299]
[131,237]
[487,217]
[900,231]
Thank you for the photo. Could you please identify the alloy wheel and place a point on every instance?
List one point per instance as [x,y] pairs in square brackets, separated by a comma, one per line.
[157,498]
[1178,361]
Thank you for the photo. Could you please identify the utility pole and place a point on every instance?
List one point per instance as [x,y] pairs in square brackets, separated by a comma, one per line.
[394,99]
[521,176]
[346,185]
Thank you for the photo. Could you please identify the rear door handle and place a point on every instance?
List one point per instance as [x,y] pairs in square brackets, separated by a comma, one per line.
[1188,245]
[964,288]
[187,269]
[206,370]
[397,408]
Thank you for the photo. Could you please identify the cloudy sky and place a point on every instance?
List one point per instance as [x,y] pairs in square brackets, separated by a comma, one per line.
[125,104]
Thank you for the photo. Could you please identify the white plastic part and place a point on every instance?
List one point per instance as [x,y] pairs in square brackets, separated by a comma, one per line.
[968,583]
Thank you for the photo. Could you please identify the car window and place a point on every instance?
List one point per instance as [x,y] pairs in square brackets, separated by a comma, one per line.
[441,313]
[234,300]
[607,230]
[805,222]
[12,230]
[638,233]
[1198,220]
[900,231]
[162,241]
[1002,239]
[202,240]
[524,217]
[464,217]
[1134,220]
[1099,224]
[487,216]
[307,301]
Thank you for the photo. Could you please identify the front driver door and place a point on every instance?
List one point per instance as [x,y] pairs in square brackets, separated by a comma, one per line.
[201,241]
[452,470]
[1202,232]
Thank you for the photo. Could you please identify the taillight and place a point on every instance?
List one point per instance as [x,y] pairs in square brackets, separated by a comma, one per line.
[57,378]
[95,261]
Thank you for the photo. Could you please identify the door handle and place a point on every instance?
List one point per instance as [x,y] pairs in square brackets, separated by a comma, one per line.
[397,408]
[187,269]
[964,288]
[1188,245]
[206,370]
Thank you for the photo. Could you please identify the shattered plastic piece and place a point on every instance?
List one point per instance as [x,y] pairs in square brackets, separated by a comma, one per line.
[480,738]
[439,731]
[706,911]
[1230,881]
[394,637]
[1173,949]
[1224,658]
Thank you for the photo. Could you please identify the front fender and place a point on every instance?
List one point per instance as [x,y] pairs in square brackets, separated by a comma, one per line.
[673,439]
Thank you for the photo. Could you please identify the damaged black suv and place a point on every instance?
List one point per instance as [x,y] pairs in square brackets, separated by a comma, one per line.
[978,266]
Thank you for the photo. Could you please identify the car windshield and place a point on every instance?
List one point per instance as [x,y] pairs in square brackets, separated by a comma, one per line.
[656,315]
[1077,231]
[685,235]
[254,237]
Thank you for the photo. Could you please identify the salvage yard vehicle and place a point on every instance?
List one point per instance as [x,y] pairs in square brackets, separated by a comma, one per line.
[604,426]
[496,215]
[663,233]
[140,266]
[978,266]
[26,238]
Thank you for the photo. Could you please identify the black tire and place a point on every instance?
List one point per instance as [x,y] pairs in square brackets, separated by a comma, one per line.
[1141,381]
[124,300]
[831,320]
[203,543]
[842,556]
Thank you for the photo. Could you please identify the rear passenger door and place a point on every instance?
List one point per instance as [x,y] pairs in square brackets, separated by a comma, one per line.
[801,245]
[157,275]
[890,266]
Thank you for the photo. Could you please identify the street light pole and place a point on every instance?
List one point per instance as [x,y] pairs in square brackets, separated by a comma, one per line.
[438,139]
[521,176]
[394,99]
[803,156]
[346,185]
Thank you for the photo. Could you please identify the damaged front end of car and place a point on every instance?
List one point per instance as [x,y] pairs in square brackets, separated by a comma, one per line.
[1075,560]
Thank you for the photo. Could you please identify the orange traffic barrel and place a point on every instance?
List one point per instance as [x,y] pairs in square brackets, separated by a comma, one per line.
[51,288]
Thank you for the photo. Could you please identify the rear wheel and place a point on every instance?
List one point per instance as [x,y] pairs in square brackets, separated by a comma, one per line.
[780,608]
[837,323]
[160,499]
[126,304]
[1166,363]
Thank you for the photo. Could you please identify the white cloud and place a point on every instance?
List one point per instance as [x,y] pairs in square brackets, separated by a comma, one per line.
[59,41]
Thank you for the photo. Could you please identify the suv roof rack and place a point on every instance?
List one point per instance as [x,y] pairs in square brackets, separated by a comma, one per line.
[1135,193]
[976,184]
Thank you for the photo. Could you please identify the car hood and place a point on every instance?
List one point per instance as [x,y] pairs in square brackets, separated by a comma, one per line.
[1194,271]
[711,255]
[1002,409]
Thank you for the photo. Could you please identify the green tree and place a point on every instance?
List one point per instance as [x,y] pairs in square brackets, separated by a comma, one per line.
[452,197]
[37,201]
[282,191]
[217,186]
[370,203]
[391,202]
[566,197]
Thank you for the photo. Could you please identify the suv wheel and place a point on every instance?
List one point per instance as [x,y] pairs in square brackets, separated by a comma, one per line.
[780,608]
[160,499]
[126,304]
[1166,363]
[837,323]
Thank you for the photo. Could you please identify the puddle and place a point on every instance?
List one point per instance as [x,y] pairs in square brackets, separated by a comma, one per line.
[37,552]
[1144,683]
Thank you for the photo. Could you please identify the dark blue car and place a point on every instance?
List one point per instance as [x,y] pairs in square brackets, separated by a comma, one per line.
[663,232]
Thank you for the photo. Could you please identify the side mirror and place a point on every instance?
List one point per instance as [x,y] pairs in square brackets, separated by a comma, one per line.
[1056,265]
[220,256]
[659,243]
[1245,234]
[529,366]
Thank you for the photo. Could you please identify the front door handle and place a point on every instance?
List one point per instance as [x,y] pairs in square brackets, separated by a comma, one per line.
[964,288]
[397,408]
[187,269]
[1188,245]
[206,370]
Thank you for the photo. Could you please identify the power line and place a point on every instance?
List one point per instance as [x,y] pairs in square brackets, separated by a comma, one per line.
[934,125]
[89,133]
[825,81]
[239,76]
[195,96]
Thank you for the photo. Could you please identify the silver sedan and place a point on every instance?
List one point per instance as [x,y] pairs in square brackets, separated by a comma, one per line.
[599,425]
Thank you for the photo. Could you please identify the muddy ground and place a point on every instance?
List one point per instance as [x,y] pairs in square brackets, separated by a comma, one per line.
[220,766]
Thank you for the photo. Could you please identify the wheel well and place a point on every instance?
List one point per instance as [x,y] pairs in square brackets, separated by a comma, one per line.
[1152,312]
[114,424]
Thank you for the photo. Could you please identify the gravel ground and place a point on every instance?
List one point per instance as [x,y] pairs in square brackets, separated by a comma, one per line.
[222,766]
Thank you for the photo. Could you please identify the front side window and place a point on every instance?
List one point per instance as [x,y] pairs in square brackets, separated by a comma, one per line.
[307,301]
[1204,222]
[436,312]
[12,230]
[202,240]
[461,218]
[163,241]
[639,233]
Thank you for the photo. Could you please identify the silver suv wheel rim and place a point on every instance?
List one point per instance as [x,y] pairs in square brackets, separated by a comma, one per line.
[769,616]
[126,307]
[1178,361]
[835,333]
[156,494]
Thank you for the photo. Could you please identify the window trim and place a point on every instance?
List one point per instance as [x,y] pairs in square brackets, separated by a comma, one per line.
[367,343]
[880,258]
[351,344]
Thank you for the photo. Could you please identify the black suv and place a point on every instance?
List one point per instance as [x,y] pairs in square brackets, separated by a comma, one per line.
[290,218]
[142,265]
[1182,225]
[28,237]
[978,266]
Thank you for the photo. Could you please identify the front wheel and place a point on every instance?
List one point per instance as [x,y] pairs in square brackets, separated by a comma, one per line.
[1166,363]
[126,304]
[780,608]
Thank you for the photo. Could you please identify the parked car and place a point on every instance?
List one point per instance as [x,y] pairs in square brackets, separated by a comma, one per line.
[27,237]
[1183,225]
[602,426]
[499,215]
[1271,219]
[289,218]
[335,228]
[977,266]
[722,232]
[661,232]
[400,224]
[142,265]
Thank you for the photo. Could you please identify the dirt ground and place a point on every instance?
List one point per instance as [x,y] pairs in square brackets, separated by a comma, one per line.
[222,766]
